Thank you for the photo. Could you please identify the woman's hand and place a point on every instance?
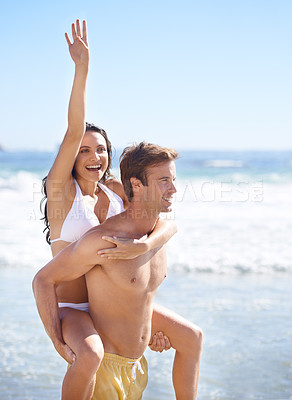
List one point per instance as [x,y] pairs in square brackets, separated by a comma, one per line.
[61,170]
[126,249]
[79,50]
[159,342]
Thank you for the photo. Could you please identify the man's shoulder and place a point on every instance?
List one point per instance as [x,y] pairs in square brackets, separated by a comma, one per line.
[94,234]
[92,241]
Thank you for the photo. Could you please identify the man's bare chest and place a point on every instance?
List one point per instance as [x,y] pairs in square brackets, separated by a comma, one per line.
[144,273]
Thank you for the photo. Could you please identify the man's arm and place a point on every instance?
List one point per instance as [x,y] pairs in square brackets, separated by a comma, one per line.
[71,263]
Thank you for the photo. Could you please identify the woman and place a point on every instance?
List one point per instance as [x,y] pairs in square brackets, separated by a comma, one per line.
[81,194]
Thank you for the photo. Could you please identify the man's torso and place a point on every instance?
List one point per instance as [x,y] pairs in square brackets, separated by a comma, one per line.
[121,294]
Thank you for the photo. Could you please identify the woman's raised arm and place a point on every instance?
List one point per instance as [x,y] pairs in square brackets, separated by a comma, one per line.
[79,51]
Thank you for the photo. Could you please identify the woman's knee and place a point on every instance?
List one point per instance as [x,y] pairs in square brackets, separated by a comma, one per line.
[90,353]
[80,334]
[194,339]
[191,340]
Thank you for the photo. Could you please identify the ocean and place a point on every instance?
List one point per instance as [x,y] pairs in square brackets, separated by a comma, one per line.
[229,271]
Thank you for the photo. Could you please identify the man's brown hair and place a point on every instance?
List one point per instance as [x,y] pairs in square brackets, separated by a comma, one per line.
[135,160]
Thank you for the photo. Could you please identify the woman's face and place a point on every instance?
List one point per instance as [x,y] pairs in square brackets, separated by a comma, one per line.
[92,159]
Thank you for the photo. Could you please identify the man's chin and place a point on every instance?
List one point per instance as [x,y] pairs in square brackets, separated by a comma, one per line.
[166,209]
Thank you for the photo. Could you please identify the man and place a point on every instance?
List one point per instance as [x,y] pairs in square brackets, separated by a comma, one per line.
[121,293]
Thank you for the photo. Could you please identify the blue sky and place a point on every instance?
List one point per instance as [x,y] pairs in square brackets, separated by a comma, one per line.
[191,74]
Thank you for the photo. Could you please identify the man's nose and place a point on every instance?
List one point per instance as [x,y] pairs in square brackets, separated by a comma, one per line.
[173,187]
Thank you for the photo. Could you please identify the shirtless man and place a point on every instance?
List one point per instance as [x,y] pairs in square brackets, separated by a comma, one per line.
[121,292]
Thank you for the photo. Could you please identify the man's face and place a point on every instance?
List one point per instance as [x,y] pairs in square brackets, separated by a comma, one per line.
[160,187]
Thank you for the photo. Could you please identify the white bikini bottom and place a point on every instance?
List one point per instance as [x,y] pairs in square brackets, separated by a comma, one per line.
[76,306]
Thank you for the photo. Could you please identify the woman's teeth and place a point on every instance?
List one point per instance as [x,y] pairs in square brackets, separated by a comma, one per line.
[93,167]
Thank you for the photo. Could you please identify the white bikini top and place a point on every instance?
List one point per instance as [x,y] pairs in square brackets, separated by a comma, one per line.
[81,216]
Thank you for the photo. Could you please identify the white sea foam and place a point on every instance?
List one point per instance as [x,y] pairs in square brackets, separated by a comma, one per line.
[224,163]
[224,234]
[223,228]
[22,242]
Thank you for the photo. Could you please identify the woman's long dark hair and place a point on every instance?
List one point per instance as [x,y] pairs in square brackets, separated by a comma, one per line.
[106,175]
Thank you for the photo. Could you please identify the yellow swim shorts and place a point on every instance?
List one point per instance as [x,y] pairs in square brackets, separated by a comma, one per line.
[120,378]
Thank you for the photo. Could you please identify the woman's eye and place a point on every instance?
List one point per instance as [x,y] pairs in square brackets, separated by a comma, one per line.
[84,151]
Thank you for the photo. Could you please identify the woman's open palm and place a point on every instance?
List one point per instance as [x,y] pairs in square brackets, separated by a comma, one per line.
[79,50]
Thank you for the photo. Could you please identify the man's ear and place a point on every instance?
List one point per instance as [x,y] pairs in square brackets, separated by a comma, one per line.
[136,183]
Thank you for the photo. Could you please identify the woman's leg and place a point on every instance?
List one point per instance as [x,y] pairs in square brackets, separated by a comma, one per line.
[186,338]
[80,335]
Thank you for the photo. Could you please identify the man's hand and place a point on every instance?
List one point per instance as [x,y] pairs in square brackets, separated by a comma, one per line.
[159,342]
[65,352]
[79,50]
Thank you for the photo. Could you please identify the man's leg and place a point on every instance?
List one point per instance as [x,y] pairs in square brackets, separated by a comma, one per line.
[80,335]
[186,338]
